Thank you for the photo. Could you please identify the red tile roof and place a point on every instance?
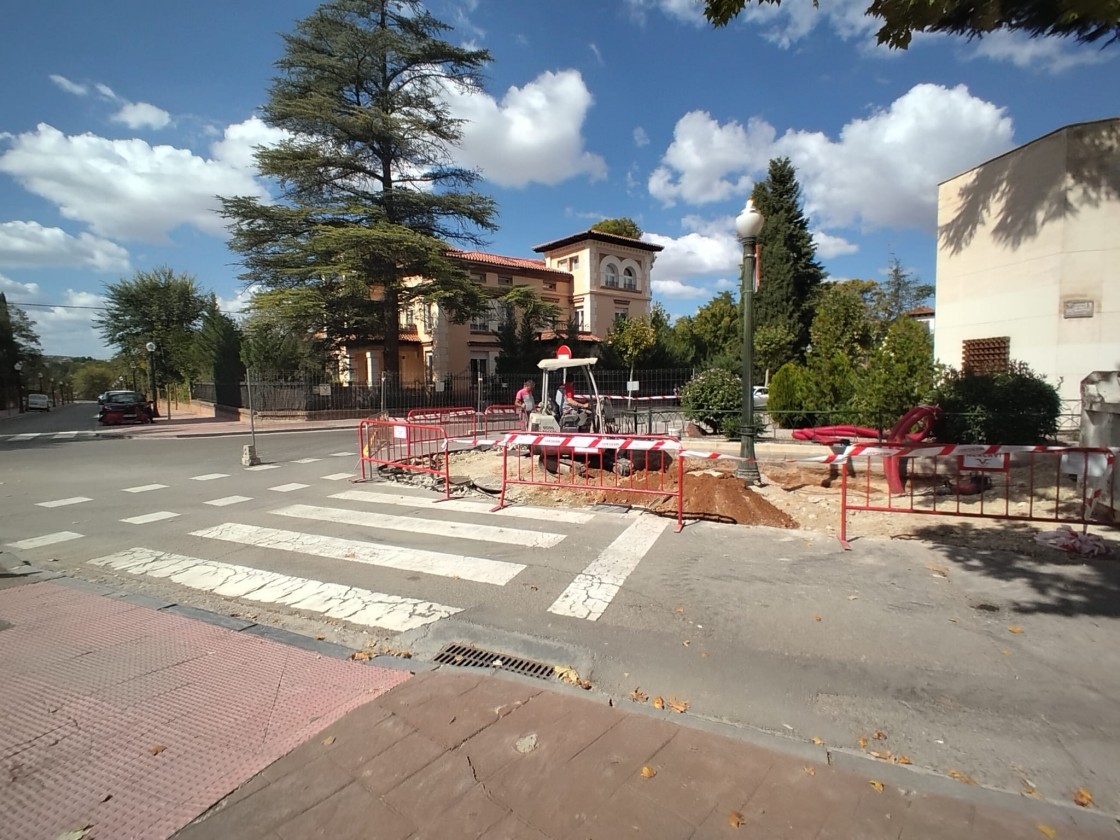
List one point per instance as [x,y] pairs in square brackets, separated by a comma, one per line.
[499,261]
[919,311]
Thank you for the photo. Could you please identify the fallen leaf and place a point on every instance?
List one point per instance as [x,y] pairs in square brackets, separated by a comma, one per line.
[1015,628]
[659,702]
[1005,652]
[879,735]
[901,759]
[75,834]
[809,771]
[638,696]
[940,571]
[961,777]
[853,597]
[328,740]
[350,555]
[648,772]
[156,749]
[1047,830]
[816,618]
[877,785]
[1083,798]
[361,656]
[704,654]
[678,706]
[571,676]
[679,610]
[686,643]
[862,743]
[1030,790]
[816,741]
[320,637]
[735,819]
[882,756]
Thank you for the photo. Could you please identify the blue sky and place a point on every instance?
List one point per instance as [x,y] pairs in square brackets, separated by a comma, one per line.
[120,120]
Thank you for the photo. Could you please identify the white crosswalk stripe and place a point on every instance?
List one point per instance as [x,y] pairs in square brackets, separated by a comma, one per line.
[482,508]
[45,539]
[477,569]
[26,436]
[350,603]
[443,528]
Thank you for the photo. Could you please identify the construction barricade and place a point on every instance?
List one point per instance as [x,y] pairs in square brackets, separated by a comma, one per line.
[411,447]
[614,467]
[1060,485]
[502,418]
[458,421]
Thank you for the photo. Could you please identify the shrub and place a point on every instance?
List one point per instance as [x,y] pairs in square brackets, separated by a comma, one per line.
[786,401]
[714,399]
[1018,407]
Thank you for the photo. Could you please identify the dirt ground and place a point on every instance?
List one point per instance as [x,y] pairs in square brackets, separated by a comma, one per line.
[797,494]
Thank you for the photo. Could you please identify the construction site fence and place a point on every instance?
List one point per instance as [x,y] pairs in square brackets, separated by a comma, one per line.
[387,446]
[616,469]
[502,418]
[1058,485]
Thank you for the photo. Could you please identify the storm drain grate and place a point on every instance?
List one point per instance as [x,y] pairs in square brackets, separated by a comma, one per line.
[468,656]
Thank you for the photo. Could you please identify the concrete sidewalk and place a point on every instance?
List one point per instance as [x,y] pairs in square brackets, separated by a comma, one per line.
[123,718]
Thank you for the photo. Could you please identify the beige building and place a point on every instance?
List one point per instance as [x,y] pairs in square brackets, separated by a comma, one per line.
[1028,258]
[595,277]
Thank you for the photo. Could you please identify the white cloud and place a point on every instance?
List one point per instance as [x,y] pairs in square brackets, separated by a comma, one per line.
[15,292]
[124,189]
[709,162]
[677,290]
[239,142]
[142,115]
[1053,54]
[534,134]
[694,255]
[640,137]
[595,51]
[69,86]
[686,11]
[65,329]
[832,246]
[881,171]
[31,245]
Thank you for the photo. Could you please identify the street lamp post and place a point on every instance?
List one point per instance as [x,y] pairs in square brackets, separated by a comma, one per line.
[747,227]
[153,396]
[18,366]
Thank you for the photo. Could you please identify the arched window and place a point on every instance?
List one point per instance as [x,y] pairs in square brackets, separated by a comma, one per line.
[629,278]
[610,275]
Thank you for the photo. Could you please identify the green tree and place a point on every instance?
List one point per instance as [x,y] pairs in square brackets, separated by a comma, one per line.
[714,398]
[712,334]
[94,377]
[843,323]
[900,375]
[788,268]
[19,344]
[623,226]
[217,354]
[159,306]
[274,352]
[524,315]
[1015,407]
[368,187]
[773,344]
[1088,21]
[632,339]
[900,293]
[666,351]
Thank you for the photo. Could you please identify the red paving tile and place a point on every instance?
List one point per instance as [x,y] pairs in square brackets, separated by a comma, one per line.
[94,685]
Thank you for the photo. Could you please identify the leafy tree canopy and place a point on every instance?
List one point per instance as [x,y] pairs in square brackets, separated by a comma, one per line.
[368,187]
[1088,21]
[711,333]
[619,227]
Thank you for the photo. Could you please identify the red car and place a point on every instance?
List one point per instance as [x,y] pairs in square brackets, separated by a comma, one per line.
[124,407]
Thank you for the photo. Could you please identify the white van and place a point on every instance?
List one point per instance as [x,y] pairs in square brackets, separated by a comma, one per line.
[38,402]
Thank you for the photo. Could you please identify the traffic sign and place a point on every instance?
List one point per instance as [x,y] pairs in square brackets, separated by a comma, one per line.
[563,352]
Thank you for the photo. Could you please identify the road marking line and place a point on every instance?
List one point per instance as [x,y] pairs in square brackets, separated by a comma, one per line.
[144,488]
[350,603]
[75,500]
[65,435]
[477,569]
[229,500]
[144,519]
[288,488]
[209,476]
[519,511]
[460,530]
[260,467]
[46,539]
[589,595]
[307,460]
[342,455]
[27,436]
[337,476]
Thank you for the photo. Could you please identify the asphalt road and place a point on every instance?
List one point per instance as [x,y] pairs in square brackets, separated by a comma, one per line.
[999,668]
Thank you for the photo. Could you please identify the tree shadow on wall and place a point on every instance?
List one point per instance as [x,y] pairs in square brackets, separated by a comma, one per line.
[1030,189]
[1063,583]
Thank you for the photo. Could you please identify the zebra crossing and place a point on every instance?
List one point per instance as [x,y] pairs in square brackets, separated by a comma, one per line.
[25,437]
[261,563]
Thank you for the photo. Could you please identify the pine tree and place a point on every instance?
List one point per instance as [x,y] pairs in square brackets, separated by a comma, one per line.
[368,188]
[788,269]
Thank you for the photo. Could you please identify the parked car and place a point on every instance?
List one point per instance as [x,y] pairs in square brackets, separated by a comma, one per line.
[38,402]
[761,393]
[124,407]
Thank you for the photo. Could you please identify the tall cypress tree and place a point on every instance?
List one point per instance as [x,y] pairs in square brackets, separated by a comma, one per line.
[788,269]
[368,187]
